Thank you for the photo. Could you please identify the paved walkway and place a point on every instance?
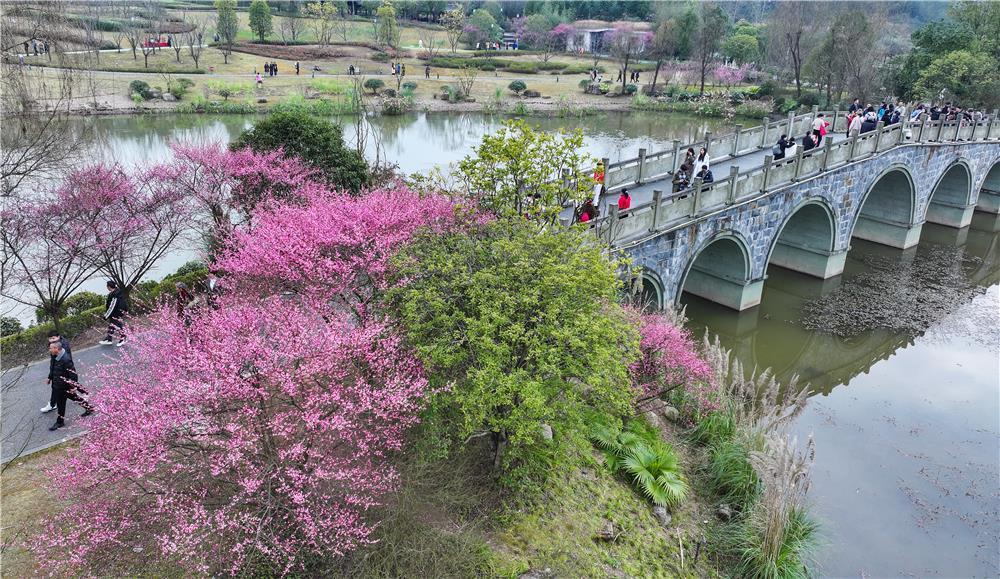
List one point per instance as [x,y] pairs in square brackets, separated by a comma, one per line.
[23,429]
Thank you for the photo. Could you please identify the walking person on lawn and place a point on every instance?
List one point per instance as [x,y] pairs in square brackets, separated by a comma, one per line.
[54,337]
[115,308]
[65,384]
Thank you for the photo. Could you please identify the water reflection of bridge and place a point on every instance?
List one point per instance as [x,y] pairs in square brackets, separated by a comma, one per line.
[773,336]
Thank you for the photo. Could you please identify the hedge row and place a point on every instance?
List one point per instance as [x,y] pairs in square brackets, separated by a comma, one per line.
[515,66]
[31,343]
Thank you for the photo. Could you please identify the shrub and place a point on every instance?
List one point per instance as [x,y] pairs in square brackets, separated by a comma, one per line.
[395,106]
[523,67]
[140,88]
[374,84]
[520,110]
[225,93]
[605,87]
[755,109]
[747,539]
[75,304]
[409,85]
[316,141]
[10,325]
[517,86]
[631,89]
[809,99]
[380,57]
[583,84]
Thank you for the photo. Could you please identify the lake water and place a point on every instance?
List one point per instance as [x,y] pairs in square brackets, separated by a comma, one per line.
[905,417]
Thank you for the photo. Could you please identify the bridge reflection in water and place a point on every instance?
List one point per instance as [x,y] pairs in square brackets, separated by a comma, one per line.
[773,335]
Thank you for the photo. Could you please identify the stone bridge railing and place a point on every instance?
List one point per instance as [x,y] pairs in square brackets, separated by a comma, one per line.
[668,211]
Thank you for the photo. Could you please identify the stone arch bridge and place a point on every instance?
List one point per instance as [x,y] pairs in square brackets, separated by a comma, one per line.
[717,240]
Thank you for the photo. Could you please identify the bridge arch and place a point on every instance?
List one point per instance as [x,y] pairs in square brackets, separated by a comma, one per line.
[886,212]
[806,239]
[988,198]
[950,202]
[650,291]
[720,271]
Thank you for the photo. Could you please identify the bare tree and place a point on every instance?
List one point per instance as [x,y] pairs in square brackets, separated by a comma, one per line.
[792,34]
[195,39]
[35,146]
[712,24]
[466,78]
[324,15]
[289,29]
[431,43]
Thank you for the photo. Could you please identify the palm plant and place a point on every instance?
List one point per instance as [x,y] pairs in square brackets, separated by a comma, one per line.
[655,471]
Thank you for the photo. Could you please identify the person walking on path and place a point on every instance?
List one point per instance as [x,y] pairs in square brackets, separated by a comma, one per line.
[703,158]
[819,128]
[260,81]
[54,337]
[778,152]
[624,200]
[115,308]
[64,380]
[296,68]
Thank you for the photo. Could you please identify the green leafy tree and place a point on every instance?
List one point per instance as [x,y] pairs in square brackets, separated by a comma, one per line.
[966,77]
[518,328]
[260,18]
[453,22]
[10,325]
[482,27]
[742,48]
[386,27]
[665,44]
[316,141]
[517,87]
[983,19]
[519,171]
[227,25]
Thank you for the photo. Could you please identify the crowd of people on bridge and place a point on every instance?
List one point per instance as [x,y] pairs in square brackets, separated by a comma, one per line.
[861,119]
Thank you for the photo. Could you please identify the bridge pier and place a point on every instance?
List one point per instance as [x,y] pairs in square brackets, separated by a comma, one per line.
[811,261]
[949,214]
[887,232]
[735,294]
[987,212]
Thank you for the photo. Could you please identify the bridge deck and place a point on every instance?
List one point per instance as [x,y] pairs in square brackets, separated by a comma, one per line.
[720,169]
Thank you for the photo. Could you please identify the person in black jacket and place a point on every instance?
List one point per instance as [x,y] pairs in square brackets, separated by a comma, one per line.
[64,379]
[55,337]
[778,151]
[115,309]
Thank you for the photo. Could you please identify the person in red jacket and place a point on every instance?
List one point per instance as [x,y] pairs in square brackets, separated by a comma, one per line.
[624,200]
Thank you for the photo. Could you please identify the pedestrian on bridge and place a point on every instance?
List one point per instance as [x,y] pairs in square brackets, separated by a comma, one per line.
[624,200]
[53,400]
[706,174]
[65,383]
[778,152]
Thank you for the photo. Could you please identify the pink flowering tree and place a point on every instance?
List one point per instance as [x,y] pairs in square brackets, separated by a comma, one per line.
[731,75]
[255,439]
[251,442]
[131,221]
[332,249]
[626,45]
[669,360]
[227,185]
[46,253]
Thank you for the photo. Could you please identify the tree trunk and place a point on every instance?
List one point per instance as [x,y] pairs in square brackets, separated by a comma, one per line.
[656,73]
